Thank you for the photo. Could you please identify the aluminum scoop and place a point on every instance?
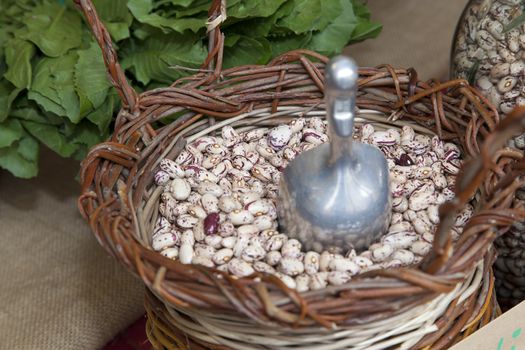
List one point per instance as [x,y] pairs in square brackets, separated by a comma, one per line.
[337,195]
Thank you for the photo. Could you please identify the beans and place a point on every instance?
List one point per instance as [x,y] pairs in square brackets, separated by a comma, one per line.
[228,218]
[211,223]
[228,204]
[345,265]
[302,283]
[287,280]
[210,187]
[338,278]
[240,268]
[279,136]
[253,252]
[214,241]
[273,257]
[275,242]
[381,253]
[171,253]
[197,211]
[311,262]
[202,260]
[165,240]
[229,242]
[222,256]
[186,253]
[161,178]
[204,250]
[324,260]
[171,168]
[240,217]
[263,222]
[260,207]
[180,188]
[187,221]
[481,42]
[318,281]
[291,266]
[210,203]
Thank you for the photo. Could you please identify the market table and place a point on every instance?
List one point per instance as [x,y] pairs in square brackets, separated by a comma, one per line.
[60,290]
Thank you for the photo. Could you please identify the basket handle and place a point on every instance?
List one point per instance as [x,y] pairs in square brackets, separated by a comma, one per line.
[128,95]
[471,177]
[216,16]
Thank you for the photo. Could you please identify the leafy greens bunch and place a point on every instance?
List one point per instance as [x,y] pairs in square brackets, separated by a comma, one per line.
[53,85]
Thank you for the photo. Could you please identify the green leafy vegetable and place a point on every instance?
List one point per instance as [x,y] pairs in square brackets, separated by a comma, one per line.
[153,58]
[10,131]
[53,28]
[21,158]
[54,88]
[18,54]
[247,49]
[334,36]
[115,16]
[90,77]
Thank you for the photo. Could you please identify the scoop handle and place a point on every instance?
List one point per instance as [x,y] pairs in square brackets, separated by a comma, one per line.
[340,97]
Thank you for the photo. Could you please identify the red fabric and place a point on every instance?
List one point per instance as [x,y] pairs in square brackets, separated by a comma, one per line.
[132,338]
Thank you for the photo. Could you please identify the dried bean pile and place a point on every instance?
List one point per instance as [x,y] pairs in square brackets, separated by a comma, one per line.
[218,206]
[489,50]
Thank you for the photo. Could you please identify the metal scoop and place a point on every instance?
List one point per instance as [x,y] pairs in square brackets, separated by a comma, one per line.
[337,195]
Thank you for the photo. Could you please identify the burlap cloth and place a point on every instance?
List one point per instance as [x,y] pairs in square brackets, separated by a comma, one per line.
[58,288]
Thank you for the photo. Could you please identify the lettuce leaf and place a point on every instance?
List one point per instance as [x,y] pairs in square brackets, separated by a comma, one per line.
[54,88]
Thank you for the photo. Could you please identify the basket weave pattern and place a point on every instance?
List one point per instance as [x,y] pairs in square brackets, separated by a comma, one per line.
[214,310]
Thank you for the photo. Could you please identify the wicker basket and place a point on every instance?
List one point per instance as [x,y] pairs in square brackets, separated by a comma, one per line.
[432,305]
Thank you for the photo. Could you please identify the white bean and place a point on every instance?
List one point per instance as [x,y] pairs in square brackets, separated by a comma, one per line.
[311,262]
[187,237]
[210,203]
[253,252]
[197,211]
[180,188]
[222,256]
[261,266]
[302,283]
[318,280]
[187,221]
[406,257]
[338,278]
[210,187]
[171,253]
[214,241]
[229,242]
[204,250]
[240,268]
[186,253]
[165,240]
[241,217]
[345,265]
[273,257]
[263,222]
[202,260]
[324,260]
[287,280]
[275,242]
[381,253]
[228,204]
[291,266]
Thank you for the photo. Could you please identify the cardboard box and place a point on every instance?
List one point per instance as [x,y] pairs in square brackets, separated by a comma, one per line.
[507,332]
